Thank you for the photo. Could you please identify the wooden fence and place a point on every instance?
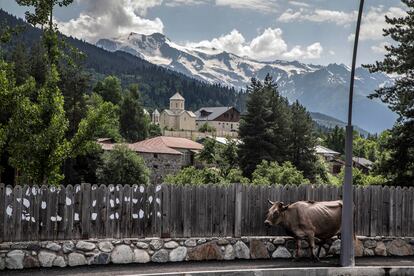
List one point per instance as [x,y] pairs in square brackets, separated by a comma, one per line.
[91,211]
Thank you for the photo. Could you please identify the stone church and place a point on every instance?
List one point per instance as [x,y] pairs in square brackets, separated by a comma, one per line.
[176,117]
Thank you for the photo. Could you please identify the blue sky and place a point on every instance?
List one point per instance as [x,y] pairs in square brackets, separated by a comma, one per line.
[312,31]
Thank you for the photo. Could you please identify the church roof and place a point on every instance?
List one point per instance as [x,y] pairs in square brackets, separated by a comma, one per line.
[177,96]
[211,113]
[156,112]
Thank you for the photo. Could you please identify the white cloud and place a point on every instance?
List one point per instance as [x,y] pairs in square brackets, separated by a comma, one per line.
[300,4]
[313,51]
[373,22]
[267,46]
[107,18]
[380,48]
[318,15]
[256,5]
[176,3]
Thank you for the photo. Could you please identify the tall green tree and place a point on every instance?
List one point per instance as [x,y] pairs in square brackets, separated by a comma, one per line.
[42,15]
[279,122]
[303,141]
[134,123]
[399,96]
[109,89]
[335,139]
[37,129]
[253,130]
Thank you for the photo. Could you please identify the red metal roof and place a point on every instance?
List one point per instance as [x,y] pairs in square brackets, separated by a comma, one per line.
[160,144]
[164,144]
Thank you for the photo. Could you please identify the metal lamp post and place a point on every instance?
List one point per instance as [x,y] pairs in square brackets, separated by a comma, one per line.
[347,228]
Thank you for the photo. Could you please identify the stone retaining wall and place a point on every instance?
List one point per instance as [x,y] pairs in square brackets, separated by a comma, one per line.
[19,255]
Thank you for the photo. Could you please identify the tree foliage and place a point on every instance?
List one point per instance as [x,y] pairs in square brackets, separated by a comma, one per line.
[133,122]
[273,130]
[268,173]
[122,166]
[399,96]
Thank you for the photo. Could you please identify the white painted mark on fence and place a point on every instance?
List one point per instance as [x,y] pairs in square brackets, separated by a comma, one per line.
[111,216]
[43,204]
[33,219]
[117,215]
[158,201]
[141,213]
[158,214]
[19,199]
[117,188]
[77,189]
[52,189]
[94,203]
[68,201]
[26,203]
[150,199]
[28,192]
[94,216]
[57,218]
[34,191]
[134,216]
[8,191]
[76,216]
[141,189]
[158,188]
[135,200]
[111,188]
[117,200]
[112,203]
[93,188]
[127,199]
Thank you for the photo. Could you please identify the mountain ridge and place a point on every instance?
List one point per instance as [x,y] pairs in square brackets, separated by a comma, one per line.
[319,88]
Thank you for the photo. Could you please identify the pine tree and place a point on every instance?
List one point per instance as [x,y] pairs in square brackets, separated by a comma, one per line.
[253,130]
[400,97]
[303,141]
[20,60]
[134,123]
[335,139]
[279,122]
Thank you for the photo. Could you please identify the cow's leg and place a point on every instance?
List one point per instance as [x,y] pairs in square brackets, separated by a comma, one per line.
[311,239]
[319,251]
[297,257]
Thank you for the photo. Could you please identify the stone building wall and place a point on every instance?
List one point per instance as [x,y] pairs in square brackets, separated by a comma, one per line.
[19,255]
[161,165]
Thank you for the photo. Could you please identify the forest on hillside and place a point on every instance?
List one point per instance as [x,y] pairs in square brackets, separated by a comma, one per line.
[157,84]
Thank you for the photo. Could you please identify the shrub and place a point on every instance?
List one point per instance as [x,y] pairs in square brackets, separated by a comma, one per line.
[122,166]
[268,173]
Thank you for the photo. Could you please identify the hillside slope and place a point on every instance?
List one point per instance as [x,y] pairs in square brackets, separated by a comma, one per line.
[319,88]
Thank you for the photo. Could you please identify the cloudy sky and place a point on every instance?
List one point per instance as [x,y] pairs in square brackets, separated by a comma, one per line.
[312,31]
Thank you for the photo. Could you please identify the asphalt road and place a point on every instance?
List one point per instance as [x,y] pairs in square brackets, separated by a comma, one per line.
[151,268]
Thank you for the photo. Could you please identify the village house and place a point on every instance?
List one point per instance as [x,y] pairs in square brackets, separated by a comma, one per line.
[362,164]
[336,163]
[176,117]
[221,118]
[332,157]
[162,155]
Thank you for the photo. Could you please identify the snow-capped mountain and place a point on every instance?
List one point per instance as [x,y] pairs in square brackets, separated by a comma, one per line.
[319,88]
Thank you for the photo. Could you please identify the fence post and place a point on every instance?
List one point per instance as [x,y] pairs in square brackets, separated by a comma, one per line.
[238,210]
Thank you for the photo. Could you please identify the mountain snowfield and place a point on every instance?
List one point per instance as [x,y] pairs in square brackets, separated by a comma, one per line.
[319,88]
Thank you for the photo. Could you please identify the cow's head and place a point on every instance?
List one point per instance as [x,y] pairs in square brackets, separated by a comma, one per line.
[274,213]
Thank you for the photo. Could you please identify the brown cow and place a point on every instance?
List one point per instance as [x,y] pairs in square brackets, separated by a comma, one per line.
[307,220]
